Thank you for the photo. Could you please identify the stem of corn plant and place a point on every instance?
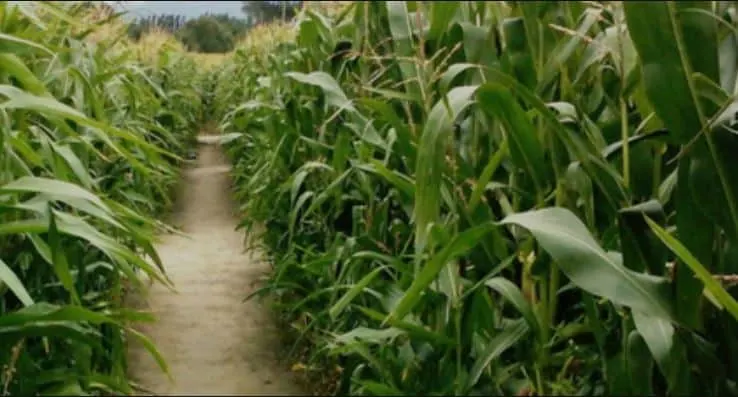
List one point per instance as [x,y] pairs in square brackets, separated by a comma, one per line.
[624,138]
[658,159]
[543,314]
[553,289]
[544,310]
[459,345]
[539,381]
[700,113]
[554,276]
[623,105]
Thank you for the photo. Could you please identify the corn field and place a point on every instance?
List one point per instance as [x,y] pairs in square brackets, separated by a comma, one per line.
[496,198]
[456,198]
[91,140]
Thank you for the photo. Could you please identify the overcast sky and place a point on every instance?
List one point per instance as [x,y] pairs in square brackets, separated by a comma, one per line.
[189,9]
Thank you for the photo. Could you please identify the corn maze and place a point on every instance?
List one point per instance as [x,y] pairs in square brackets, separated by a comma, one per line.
[455,198]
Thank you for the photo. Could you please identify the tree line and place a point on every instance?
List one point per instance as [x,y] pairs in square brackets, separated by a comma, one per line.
[215,33]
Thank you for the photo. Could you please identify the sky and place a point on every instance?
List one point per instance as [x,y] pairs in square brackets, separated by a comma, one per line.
[190,9]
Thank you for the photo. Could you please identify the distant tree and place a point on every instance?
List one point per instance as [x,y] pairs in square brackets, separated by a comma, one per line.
[266,11]
[169,23]
[237,26]
[206,34]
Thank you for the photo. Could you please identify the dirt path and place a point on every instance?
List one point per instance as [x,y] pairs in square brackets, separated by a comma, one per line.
[213,342]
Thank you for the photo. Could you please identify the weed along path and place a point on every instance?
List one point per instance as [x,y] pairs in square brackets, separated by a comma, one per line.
[213,342]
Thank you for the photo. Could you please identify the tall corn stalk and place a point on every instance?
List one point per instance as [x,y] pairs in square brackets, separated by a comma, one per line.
[497,197]
[90,139]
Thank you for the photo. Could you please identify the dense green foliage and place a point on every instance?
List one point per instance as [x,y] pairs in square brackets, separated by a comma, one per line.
[214,33]
[468,198]
[208,33]
[169,23]
[237,26]
[495,198]
[90,146]
[259,12]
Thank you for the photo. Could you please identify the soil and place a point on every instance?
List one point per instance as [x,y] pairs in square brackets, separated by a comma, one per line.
[213,341]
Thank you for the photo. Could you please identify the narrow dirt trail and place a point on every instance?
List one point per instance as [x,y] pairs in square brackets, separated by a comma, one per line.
[213,342]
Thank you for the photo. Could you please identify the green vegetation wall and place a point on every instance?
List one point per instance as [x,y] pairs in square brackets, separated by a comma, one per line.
[90,146]
[487,198]
[209,33]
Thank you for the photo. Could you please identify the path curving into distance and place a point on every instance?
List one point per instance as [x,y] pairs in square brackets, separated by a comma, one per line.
[214,343]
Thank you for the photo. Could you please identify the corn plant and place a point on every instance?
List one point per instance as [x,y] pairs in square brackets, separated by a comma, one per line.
[90,145]
[497,198]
